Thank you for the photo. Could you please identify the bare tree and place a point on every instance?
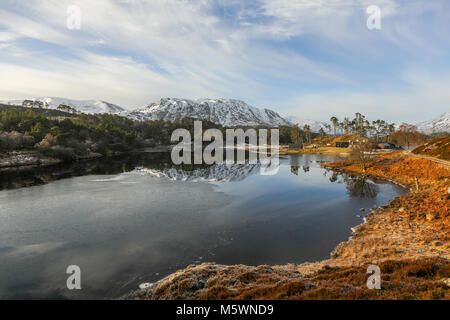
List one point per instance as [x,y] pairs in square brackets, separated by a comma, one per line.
[408,135]
[295,134]
[346,125]
[335,122]
[362,154]
[307,130]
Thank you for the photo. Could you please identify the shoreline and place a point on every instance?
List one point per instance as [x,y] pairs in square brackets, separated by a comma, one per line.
[398,236]
[18,160]
[321,151]
[28,159]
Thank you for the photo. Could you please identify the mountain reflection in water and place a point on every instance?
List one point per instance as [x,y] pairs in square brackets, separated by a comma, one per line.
[160,165]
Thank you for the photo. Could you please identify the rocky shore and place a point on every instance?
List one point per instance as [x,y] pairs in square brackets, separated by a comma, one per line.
[25,159]
[408,238]
[17,159]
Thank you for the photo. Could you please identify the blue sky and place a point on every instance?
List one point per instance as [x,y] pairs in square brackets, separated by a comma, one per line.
[308,58]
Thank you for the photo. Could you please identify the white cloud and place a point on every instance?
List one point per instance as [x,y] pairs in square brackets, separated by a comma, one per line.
[131,52]
[122,80]
[193,50]
[426,97]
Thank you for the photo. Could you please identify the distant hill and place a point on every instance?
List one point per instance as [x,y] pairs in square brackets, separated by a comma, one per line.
[38,111]
[314,125]
[68,105]
[226,112]
[439,124]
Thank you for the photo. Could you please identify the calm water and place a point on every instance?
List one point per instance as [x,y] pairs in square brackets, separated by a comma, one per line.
[137,219]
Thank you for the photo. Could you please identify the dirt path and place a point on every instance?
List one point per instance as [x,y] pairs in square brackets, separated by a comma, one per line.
[440,161]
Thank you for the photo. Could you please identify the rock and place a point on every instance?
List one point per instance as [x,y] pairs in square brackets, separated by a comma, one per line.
[401,209]
[362,209]
[145,285]
[431,217]
[446,281]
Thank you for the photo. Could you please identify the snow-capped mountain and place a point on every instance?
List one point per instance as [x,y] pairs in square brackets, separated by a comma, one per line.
[221,172]
[313,124]
[70,105]
[226,112]
[439,124]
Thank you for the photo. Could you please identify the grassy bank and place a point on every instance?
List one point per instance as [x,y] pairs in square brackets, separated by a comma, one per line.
[320,150]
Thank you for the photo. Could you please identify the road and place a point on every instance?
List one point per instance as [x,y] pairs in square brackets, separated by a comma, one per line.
[440,161]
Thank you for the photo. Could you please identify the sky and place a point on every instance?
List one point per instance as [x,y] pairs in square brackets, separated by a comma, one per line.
[307,58]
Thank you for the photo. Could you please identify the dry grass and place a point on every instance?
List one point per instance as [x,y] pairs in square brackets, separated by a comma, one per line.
[408,279]
[401,168]
[320,150]
[439,148]
[416,225]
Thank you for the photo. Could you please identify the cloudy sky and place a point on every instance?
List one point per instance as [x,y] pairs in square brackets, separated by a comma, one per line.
[309,58]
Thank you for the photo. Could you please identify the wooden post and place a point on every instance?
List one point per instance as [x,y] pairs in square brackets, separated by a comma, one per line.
[417,184]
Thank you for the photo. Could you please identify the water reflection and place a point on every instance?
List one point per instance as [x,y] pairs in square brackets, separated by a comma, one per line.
[32,176]
[141,218]
[160,165]
[156,164]
[214,173]
[357,186]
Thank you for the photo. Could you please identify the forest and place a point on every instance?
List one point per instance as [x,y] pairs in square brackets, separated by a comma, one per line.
[69,136]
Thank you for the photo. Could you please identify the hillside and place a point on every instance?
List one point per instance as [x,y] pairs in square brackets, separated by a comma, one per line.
[438,148]
[68,105]
[313,124]
[225,112]
[439,124]
[37,111]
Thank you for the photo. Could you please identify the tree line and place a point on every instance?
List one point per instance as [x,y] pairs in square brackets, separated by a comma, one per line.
[377,130]
[68,136]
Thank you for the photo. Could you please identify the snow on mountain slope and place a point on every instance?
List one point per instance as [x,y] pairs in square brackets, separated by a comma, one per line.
[84,106]
[226,112]
[439,124]
[314,125]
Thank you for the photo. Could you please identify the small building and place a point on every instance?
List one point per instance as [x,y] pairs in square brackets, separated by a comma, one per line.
[295,145]
[389,146]
[342,144]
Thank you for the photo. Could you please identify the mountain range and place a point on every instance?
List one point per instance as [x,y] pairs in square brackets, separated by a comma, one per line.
[226,112]
[314,125]
[439,124]
[84,106]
